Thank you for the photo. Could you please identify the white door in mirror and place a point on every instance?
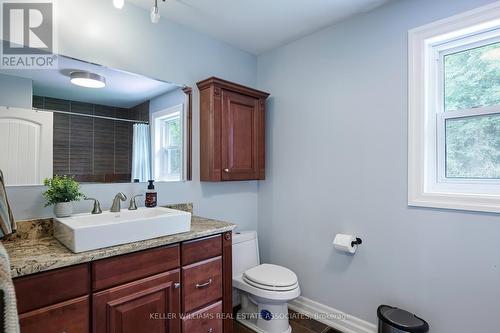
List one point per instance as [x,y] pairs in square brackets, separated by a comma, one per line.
[25,146]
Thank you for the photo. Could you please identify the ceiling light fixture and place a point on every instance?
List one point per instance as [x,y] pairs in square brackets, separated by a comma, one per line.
[87,79]
[155,12]
[118,4]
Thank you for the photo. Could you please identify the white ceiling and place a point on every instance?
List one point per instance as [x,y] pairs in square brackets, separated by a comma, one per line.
[258,25]
[123,89]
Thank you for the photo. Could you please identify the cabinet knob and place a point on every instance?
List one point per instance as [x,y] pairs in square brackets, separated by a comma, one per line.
[226,170]
[210,330]
[177,285]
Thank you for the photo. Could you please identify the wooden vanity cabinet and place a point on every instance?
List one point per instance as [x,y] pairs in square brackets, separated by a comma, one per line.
[184,287]
[232,131]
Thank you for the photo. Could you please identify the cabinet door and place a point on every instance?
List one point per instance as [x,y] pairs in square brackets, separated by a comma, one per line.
[240,136]
[144,306]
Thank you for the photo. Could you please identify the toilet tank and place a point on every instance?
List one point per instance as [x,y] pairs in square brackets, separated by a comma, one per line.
[245,251]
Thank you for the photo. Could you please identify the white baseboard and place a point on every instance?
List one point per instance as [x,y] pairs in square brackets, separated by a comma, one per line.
[329,316]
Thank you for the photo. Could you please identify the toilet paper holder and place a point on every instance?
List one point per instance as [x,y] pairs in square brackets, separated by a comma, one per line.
[358,241]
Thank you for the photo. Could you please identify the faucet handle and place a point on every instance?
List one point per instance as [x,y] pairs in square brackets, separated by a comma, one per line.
[97,206]
[133,204]
[121,196]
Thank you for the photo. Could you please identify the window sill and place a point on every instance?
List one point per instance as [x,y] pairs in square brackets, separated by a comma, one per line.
[458,201]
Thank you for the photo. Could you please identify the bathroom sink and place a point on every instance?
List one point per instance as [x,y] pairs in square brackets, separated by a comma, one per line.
[85,232]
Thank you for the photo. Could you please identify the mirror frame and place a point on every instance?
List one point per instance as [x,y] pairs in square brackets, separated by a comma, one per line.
[189,144]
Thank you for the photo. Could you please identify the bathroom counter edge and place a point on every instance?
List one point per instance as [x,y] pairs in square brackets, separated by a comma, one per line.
[30,256]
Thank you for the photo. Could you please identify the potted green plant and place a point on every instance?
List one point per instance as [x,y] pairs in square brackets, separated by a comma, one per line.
[61,192]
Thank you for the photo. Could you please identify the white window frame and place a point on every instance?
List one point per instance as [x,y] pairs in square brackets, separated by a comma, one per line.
[156,136]
[427,45]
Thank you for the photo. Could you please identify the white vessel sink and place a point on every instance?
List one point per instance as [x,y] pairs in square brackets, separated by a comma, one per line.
[85,232]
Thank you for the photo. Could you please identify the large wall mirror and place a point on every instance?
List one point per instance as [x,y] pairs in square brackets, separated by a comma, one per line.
[98,124]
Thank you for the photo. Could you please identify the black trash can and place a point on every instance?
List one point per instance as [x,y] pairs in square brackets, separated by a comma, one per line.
[394,320]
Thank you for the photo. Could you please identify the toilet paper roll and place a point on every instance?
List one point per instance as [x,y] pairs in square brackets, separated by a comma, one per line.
[344,243]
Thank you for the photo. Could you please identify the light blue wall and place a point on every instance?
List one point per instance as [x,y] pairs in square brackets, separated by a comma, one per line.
[15,91]
[93,30]
[337,162]
[167,100]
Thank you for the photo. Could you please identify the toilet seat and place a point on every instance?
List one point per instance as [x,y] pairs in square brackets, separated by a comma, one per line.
[271,277]
[271,295]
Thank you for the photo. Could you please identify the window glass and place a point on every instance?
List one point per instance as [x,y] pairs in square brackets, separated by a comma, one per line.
[174,163]
[472,78]
[473,147]
[174,132]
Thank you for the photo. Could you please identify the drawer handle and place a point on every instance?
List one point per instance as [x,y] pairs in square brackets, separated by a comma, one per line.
[210,330]
[203,285]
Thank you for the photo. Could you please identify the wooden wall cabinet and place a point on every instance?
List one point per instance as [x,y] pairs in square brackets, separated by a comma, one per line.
[232,131]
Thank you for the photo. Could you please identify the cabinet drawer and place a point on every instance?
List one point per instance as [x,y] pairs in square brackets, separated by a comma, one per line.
[208,319]
[201,249]
[118,270]
[71,316]
[39,290]
[202,283]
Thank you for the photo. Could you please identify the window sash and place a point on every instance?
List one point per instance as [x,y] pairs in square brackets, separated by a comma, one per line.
[443,50]
[165,128]
[441,144]
[168,148]
[168,155]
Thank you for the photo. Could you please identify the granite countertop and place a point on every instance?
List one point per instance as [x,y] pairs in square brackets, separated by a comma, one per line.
[42,252]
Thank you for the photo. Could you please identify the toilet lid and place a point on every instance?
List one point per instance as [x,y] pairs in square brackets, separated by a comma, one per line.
[272,276]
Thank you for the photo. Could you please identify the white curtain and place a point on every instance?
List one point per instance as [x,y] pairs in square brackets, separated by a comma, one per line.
[141,153]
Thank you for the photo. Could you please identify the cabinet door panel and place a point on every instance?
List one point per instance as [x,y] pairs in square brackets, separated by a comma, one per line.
[71,316]
[144,306]
[240,136]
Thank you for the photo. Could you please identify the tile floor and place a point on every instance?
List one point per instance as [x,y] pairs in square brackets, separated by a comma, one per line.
[299,323]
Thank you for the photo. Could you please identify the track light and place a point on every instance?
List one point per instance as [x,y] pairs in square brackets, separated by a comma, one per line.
[155,13]
[118,4]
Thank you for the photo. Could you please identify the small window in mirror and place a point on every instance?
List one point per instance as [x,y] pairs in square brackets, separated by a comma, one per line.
[168,148]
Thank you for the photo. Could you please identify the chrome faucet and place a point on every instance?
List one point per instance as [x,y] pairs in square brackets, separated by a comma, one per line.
[97,206]
[116,206]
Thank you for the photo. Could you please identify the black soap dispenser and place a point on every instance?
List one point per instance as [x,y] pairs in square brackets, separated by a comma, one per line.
[151,195]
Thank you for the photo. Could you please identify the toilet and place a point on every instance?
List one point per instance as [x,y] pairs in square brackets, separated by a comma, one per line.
[262,290]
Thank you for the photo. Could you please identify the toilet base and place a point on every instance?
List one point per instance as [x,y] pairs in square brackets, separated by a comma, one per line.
[263,317]
[251,324]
